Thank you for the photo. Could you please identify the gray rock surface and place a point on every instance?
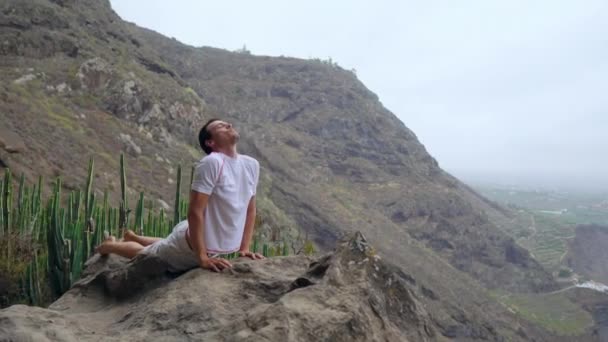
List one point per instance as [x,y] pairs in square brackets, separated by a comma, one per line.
[129,144]
[11,142]
[350,295]
[94,73]
[587,252]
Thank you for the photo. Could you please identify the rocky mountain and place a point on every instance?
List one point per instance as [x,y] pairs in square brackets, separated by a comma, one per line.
[587,252]
[351,294]
[79,82]
[83,82]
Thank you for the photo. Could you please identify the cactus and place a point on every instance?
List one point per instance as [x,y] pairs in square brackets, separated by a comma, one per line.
[112,220]
[62,220]
[155,229]
[22,207]
[89,185]
[36,279]
[176,208]
[309,248]
[38,200]
[20,200]
[90,226]
[7,203]
[97,230]
[2,208]
[149,230]
[66,280]
[63,237]
[8,210]
[55,241]
[191,176]
[89,203]
[161,223]
[183,209]
[285,249]
[31,290]
[78,203]
[123,220]
[32,213]
[104,213]
[139,215]
[78,257]
[71,200]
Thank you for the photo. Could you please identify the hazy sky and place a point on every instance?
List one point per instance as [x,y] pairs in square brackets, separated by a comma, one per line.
[508,91]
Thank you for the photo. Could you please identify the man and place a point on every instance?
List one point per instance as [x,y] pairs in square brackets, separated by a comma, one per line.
[221,213]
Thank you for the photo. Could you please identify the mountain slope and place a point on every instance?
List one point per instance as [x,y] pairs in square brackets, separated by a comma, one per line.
[339,159]
[79,82]
[587,253]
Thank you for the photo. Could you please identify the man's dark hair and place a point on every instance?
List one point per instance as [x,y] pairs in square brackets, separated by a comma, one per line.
[205,135]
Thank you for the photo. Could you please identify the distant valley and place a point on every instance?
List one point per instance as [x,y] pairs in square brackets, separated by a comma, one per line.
[559,228]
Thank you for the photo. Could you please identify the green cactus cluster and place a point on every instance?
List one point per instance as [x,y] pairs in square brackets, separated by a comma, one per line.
[60,234]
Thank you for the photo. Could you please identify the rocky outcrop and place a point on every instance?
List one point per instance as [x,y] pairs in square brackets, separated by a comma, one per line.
[11,142]
[588,252]
[94,73]
[130,145]
[596,303]
[351,294]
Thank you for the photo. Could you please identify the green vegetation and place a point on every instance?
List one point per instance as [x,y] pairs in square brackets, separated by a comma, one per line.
[566,207]
[544,224]
[546,220]
[329,61]
[44,244]
[553,311]
[545,237]
[243,50]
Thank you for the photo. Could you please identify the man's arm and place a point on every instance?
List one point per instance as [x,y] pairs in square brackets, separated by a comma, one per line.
[248,231]
[196,226]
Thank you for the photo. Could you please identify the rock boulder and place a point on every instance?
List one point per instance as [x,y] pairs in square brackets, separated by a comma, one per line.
[349,295]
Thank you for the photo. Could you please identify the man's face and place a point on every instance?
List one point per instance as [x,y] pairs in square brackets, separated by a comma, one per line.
[222,134]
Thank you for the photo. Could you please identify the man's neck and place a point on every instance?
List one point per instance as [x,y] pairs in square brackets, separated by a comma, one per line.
[230,151]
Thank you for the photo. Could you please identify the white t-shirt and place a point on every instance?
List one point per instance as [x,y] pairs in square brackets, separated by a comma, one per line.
[230,184]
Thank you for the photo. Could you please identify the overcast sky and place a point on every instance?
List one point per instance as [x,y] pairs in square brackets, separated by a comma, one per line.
[512,91]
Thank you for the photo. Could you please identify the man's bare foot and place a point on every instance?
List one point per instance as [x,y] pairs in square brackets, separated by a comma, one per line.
[102,249]
[129,236]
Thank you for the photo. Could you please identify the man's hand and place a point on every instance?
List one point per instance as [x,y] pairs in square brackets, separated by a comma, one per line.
[215,264]
[254,256]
